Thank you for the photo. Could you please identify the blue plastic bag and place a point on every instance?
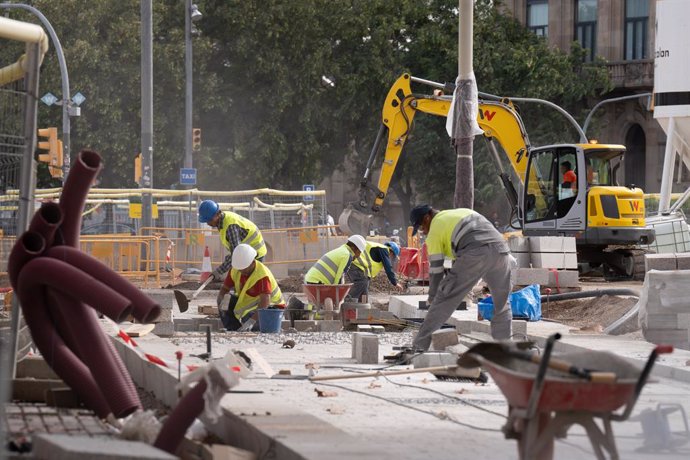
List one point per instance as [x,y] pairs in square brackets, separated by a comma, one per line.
[525,304]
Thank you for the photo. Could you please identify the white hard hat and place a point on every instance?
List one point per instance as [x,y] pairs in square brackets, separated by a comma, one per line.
[243,256]
[359,241]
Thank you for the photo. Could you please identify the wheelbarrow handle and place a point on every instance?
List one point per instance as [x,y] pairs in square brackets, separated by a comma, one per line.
[658,350]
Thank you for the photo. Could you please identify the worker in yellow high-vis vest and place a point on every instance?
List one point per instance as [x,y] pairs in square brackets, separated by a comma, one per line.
[368,265]
[255,288]
[331,267]
[234,229]
[478,251]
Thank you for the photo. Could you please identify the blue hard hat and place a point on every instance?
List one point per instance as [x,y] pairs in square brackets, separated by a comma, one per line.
[394,247]
[207,209]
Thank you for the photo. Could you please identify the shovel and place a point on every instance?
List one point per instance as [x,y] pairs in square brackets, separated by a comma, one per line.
[183,301]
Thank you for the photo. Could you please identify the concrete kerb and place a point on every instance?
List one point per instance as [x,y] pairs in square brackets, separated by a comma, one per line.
[276,433]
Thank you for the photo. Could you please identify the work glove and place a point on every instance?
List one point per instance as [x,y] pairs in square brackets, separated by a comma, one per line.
[217,275]
[247,326]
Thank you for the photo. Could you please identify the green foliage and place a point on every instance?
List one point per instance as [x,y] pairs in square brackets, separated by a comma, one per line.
[265,117]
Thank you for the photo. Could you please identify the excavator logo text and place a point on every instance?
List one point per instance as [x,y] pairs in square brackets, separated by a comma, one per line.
[487,114]
[635,205]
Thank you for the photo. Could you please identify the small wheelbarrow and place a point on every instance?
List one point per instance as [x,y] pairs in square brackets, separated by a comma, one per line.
[546,396]
[327,297]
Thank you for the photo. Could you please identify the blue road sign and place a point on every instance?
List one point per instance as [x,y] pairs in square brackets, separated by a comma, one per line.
[308,188]
[188,176]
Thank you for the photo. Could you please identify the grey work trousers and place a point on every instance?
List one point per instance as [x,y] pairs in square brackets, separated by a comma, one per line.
[493,263]
[360,283]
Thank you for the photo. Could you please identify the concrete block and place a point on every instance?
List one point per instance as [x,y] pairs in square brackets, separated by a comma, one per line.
[519,329]
[185,327]
[166,329]
[367,348]
[564,278]
[166,299]
[682,261]
[364,328]
[463,326]
[327,325]
[523,259]
[368,313]
[35,367]
[555,244]
[434,358]
[662,321]
[683,321]
[215,325]
[527,276]
[518,244]
[376,329]
[354,343]
[554,260]
[660,262]
[666,336]
[444,338]
[66,447]
[406,306]
[305,325]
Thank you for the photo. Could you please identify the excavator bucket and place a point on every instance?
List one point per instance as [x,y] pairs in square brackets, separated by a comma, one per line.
[354,222]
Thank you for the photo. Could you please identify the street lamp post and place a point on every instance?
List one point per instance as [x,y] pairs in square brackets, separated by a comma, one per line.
[192,14]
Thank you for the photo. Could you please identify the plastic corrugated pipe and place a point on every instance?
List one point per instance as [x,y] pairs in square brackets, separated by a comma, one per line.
[46,222]
[144,308]
[179,420]
[85,168]
[55,351]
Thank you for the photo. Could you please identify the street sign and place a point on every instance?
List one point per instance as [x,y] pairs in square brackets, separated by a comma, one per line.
[188,176]
[78,98]
[49,99]
[308,188]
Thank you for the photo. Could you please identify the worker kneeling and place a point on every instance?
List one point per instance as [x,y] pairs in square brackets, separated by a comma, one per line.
[366,267]
[255,288]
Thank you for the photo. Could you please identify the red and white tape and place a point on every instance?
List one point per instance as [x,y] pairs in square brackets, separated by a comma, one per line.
[153,358]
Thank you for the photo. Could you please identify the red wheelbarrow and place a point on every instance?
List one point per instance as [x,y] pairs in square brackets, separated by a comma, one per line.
[326,297]
[546,396]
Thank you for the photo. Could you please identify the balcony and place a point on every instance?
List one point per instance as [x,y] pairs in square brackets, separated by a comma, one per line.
[632,74]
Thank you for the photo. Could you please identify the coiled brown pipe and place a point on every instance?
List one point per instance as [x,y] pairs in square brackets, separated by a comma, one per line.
[85,168]
[56,353]
[46,222]
[179,420]
[144,308]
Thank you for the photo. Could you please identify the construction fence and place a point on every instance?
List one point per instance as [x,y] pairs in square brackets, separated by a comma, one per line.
[292,223]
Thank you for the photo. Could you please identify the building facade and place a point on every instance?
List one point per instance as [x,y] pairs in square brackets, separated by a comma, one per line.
[622,33]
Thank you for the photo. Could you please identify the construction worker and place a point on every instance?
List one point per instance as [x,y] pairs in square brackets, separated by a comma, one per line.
[376,257]
[234,229]
[478,251]
[331,267]
[255,288]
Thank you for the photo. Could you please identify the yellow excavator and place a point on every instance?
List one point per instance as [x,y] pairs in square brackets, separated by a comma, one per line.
[564,190]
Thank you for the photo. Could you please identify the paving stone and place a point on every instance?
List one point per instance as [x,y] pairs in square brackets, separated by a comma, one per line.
[64,447]
[376,329]
[462,326]
[675,337]
[434,358]
[363,328]
[166,299]
[444,338]
[407,306]
[662,321]
[305,325]
[554,260]
[366,348]
[519,329]
[682,261]
[555,244]
[35,367]
[165,329]
[564,278]
[329,325]
[660,262]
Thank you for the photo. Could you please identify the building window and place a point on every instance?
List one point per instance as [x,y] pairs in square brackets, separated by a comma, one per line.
[636,19]
[586,26]
[538,17]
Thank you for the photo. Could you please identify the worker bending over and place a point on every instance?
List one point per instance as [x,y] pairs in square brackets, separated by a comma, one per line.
[478,251]
[374,258]
[331,267]
[234,229]
[255,288]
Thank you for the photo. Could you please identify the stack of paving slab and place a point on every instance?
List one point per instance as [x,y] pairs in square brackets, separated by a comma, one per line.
[550,261]
[664,313]
[166,299]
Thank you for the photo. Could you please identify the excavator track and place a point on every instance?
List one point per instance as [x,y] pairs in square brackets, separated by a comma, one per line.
[627,264]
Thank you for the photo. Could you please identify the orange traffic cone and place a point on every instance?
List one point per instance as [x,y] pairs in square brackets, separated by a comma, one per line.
[205,266]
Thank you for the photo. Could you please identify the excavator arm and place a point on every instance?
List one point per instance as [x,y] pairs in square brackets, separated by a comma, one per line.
[498,120]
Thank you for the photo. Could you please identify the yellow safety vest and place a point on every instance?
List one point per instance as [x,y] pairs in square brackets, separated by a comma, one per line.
[253,238]
[330,267]
[247,303]
[369,266]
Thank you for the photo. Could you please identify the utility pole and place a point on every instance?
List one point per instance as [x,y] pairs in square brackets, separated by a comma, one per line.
[146,113]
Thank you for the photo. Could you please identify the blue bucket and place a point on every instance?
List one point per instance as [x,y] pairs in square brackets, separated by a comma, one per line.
[270,320]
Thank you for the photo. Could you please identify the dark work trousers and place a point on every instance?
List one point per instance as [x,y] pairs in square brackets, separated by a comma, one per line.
[360,283]
[228,318]
[493,263]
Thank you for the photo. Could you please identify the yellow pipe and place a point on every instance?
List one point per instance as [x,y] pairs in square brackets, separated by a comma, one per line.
[23,32]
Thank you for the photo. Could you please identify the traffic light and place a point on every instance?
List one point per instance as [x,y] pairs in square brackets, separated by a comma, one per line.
[196,138]
[54,147]
[137,168]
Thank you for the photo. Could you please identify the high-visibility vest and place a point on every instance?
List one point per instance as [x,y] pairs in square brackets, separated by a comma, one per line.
[330,267]
[253,238]
[364,262]
[247,303]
